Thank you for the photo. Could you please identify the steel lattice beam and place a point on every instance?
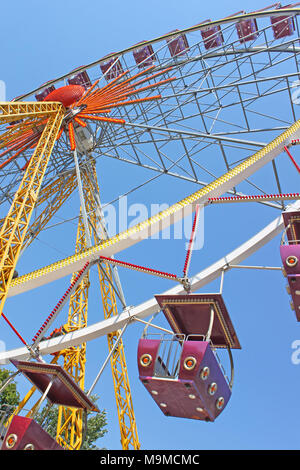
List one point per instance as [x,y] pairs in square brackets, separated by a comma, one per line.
[127,421]
[14,228]
[70,420]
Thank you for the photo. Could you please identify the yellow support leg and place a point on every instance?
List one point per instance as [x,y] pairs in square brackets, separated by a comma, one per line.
[70,420]
[127,421]
[16,223]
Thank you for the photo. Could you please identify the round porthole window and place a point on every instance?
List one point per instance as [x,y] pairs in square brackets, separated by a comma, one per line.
[220,403]
[11,441]
[145,360]
[189,363]
[291,261]
[212,388]
[204,373]
[29,447]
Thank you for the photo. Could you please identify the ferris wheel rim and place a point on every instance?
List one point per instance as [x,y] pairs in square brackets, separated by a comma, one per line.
[132,314]
[165,218]
[216,138]
[150,306]
[198,27]
[231,19]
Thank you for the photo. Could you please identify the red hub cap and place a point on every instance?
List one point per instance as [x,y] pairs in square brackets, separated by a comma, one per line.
[67,95]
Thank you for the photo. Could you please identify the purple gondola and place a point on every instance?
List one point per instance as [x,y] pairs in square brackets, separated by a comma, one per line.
[212,35]
[182,373]
[144,55]
[59,388]
[41,95]
[80,78]
[25,434]
[283,25]
[177,44]
[111,67]
[290,256]
[247,30]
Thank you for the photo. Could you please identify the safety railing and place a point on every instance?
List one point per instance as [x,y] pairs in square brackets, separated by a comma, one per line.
[286,241]
[168,357]
[5,413]
[170,350]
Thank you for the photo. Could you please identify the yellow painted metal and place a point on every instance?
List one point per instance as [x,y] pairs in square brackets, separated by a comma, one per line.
[127,421]
[126,416]
[14,111]
[70,420]
[13,230]
[54,195]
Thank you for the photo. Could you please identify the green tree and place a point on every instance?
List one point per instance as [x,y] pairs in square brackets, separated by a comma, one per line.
[10,396]
[95,424]
[95,429]
[48,416]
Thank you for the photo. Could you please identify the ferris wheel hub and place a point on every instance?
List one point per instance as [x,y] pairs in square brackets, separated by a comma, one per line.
[67,95]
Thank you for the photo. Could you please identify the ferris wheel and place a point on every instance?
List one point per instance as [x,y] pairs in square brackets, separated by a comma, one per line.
[212,108]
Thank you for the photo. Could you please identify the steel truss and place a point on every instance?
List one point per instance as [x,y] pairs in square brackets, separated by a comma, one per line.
[196,110]
[212,102]
[71,421]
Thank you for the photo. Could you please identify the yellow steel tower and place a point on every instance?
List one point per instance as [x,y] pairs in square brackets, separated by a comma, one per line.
[15,225]
[70,422]
[64,112]
[17,233]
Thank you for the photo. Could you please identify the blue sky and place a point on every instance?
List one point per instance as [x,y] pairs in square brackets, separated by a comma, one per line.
[41,41]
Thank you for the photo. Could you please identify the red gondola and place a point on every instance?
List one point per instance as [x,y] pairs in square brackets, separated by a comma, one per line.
[290,255]
[177,44]
[111,67]
[144,55]
[41,95]
[80,78]
[59,388]
[182,373]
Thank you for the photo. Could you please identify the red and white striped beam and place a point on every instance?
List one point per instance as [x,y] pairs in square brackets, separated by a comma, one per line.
[256,198]
[291,156]
[142,269]
[191,242]
[54,313]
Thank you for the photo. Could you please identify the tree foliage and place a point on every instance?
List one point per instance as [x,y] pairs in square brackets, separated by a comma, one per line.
[48,416]
[95,430]
[10,396]
[95,424]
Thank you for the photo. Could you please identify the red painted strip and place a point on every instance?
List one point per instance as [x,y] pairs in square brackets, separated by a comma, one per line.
[80,273]
[140,268]
[14,330]
[289,154]
[188,255]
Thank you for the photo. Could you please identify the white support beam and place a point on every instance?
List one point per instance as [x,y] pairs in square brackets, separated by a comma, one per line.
[151,307]
[158,222]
